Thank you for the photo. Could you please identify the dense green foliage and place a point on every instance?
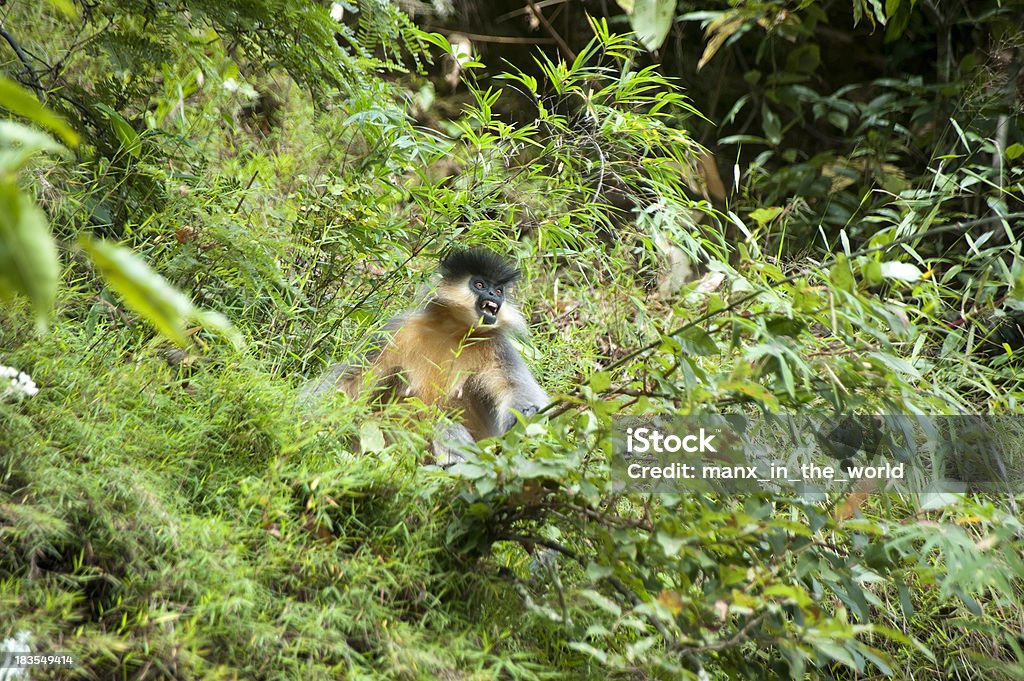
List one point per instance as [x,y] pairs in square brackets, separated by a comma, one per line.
[245,190]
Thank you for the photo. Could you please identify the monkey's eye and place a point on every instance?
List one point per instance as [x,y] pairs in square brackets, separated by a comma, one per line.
[479,285]
[498,291]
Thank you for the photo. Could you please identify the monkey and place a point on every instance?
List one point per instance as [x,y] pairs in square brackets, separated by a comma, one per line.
[455,352]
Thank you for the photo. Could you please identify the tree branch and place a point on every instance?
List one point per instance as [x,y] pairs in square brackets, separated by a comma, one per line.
[562,45]
[34,79]
[955,227]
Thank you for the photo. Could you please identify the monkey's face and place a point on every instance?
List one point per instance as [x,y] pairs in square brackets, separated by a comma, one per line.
[489,298]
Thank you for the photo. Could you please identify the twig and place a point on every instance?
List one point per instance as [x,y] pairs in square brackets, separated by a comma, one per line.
[733,640]
[36,85]
[562,45]
[631,596]
[505,39]
[238,205]
[526,10]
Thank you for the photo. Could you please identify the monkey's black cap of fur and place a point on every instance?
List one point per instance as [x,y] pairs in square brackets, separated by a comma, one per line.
[480,262]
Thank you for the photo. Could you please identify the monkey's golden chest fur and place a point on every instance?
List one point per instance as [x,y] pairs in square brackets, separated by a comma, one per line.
[435,358]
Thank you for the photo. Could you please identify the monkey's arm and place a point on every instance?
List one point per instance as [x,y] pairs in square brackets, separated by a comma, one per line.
[524,394]
[336,376]
[446,444]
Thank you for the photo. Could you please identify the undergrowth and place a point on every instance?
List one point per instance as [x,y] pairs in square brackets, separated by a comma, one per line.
[181,512]
[201,527]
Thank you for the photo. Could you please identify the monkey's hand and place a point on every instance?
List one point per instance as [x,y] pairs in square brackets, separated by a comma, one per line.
[529,410]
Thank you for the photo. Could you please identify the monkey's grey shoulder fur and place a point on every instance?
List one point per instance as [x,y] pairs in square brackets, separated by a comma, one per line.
[332,378]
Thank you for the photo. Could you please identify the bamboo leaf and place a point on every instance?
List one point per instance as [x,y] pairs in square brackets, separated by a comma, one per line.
[28,255]
[20,101]
[150,295]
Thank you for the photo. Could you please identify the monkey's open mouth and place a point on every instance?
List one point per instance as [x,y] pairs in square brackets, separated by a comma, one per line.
[489,310]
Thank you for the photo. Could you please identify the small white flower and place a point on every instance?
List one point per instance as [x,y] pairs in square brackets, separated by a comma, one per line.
[27,385]
[17,384]
[231,85]
[10,646]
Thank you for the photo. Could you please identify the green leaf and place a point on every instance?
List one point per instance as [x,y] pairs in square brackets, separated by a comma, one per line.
[600,381]
[786,373]
[752,390]
[931,501]
[784,326]
[1017,283]
[596,653]
[651,20]
[65,7]
[878,658]
[122,128]
[872,271]
[772,126]
[602,602]
[19,143]
[22,102]
[906,604]
[837,653]
[697,341]
[149,294]
[142,289]
[804,59]
[1014,151]
[528,469]
[840,120]
[212,320]
[896,364]
[371,439]
[792,592]
[763,216]
[669,543]
[28,255]
[841,275]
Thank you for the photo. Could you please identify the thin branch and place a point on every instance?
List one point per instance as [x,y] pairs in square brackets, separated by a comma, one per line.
[36,85]
[631,596]
[238,205]
[562,45]
[737,638]
[526,10]
[504,39]
[955,227]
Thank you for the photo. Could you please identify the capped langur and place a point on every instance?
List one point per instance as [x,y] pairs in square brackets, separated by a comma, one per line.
[455,352]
